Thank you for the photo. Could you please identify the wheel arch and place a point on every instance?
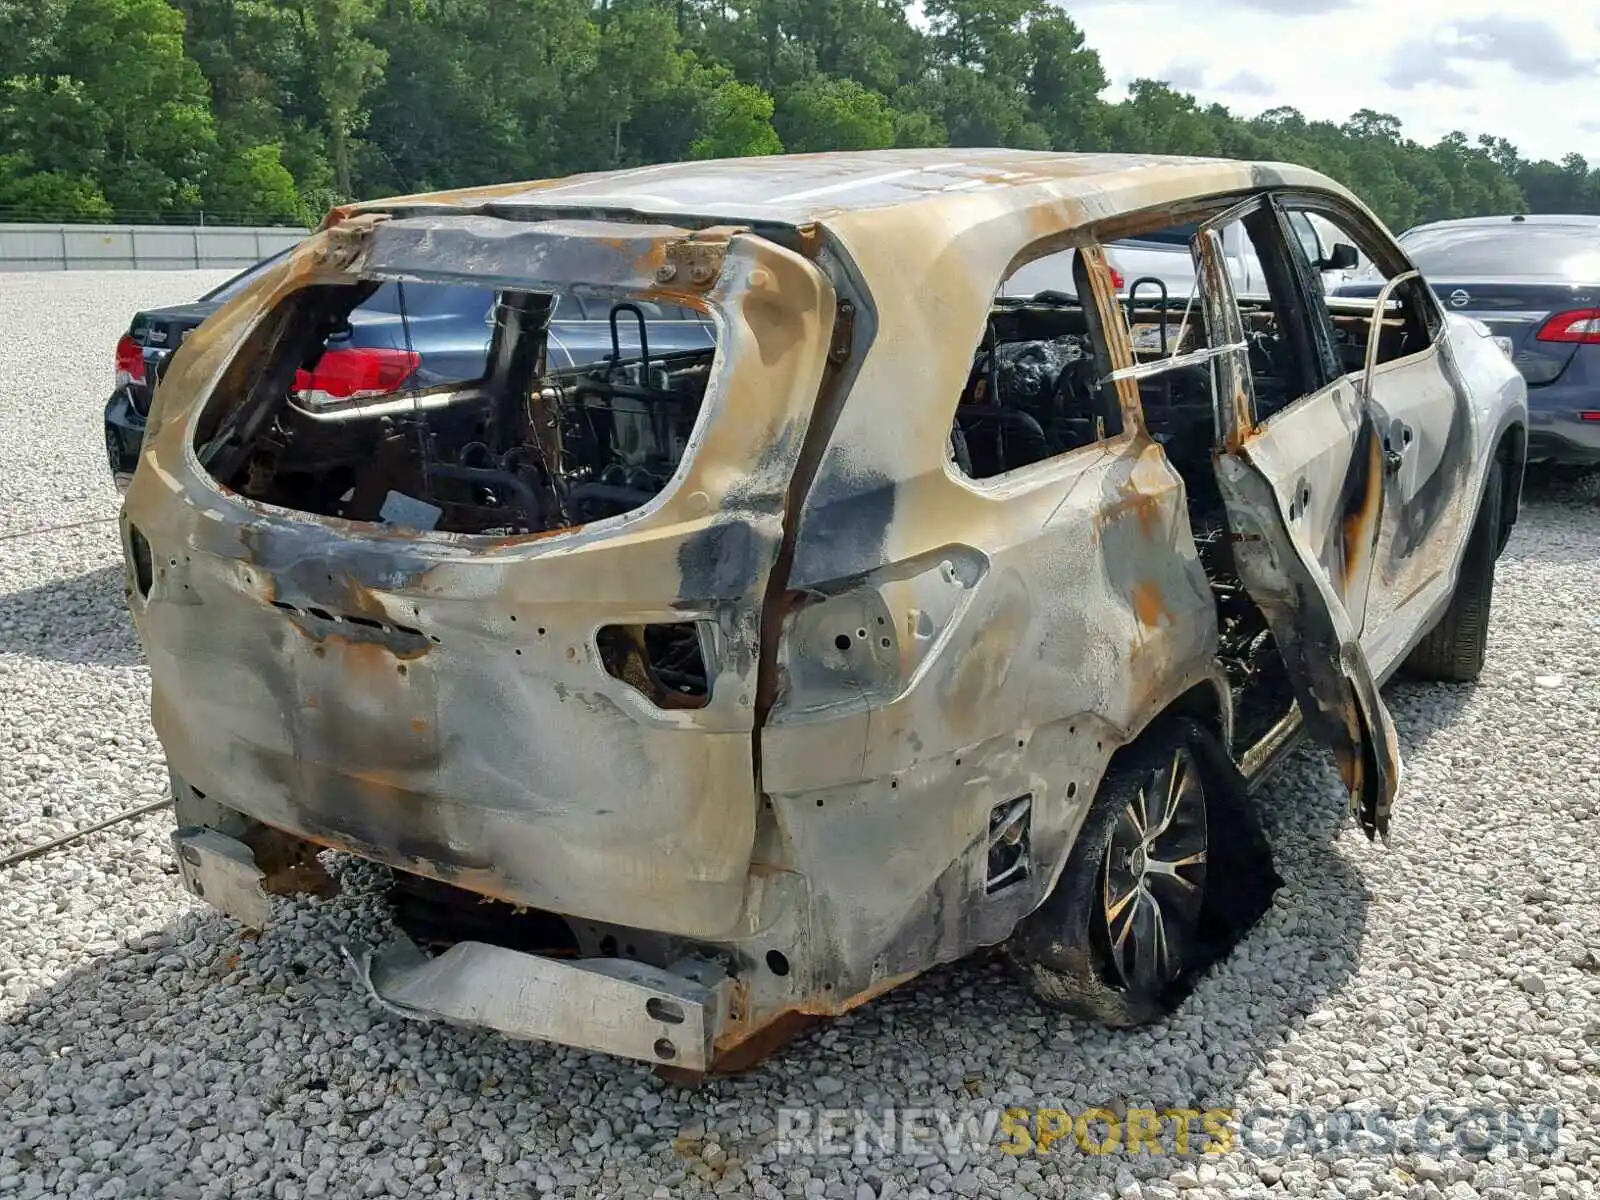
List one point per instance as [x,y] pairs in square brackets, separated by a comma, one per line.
[1208,702]
[1510,458]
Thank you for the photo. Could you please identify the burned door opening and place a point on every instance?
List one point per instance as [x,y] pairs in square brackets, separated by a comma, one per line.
[1301,485]
[539,435]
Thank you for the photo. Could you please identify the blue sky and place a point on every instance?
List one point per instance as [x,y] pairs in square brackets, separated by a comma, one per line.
[1528,72]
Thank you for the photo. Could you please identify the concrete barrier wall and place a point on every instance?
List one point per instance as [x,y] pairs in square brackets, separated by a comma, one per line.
[138,247]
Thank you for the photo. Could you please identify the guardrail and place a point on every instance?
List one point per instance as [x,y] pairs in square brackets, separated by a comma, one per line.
[139,247]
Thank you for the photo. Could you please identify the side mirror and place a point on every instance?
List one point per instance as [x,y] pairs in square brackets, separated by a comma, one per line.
[1342,257]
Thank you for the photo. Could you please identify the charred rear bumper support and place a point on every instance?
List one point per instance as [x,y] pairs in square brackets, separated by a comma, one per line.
[671,1017]
[614,1005]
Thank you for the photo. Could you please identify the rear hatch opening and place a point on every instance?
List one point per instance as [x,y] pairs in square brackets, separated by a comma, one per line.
[484,436]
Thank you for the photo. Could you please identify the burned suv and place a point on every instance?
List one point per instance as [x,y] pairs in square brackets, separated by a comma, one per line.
[690,693]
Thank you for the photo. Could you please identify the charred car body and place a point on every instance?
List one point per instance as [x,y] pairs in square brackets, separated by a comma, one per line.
[691,693]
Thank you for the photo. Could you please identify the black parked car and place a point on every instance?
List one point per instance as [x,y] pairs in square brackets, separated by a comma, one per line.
[450,326]
[1535,281]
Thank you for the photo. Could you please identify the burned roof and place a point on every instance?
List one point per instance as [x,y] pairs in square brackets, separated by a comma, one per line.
[802,188]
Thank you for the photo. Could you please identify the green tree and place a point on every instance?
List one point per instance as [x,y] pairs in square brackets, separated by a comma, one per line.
[346,65]
[282,107]
[738,124]
[252,182]
[834,114]
[27,194]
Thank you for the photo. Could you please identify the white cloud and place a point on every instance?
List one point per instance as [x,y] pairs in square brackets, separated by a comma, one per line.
[1248,83]
[1529,46]
[1438,65]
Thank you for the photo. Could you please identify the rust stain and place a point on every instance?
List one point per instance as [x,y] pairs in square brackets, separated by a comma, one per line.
[1149,606]
[825,1005]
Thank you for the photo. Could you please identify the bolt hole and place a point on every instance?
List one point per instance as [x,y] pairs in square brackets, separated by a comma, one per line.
[519,653]
[842,641]
[827,987]
[880,621]
[1072,790]
[862,634]
[401,668]
[777,963]
[893,783]
[665,1049]
[666,1011]
[884,642]
[958,762]
[513,616]
[1019,743]
[819,801]
[608,946]
[541,631]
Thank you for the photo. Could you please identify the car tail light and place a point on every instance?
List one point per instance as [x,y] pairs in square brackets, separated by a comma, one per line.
[130,361]
[1118,279]
[344,375]
[1577,325]
[1589,416]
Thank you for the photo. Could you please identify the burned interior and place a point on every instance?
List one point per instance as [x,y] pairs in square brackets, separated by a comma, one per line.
[528,446]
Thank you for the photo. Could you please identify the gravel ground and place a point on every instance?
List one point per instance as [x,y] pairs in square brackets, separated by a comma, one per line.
[147,1049]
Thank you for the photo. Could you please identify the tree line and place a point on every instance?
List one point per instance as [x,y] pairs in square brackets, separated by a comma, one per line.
[271,111]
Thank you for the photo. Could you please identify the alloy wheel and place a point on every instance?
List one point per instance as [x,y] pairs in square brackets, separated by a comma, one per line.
[1153,876]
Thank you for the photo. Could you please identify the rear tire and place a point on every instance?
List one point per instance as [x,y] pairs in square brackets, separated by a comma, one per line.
[1453,650]
[1167,872]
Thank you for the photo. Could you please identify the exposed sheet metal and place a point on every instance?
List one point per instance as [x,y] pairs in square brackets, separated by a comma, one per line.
[612,1005]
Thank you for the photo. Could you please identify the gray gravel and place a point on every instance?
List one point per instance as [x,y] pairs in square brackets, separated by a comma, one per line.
[147,1049]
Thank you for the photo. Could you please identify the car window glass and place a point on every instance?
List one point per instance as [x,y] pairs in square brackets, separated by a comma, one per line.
[1526,251]
[429,300]
[232,287]
[1303,230]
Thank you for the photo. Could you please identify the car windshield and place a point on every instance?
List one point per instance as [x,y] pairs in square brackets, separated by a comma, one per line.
[1567,252]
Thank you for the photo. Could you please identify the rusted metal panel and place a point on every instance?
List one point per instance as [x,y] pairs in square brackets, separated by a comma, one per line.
[467,730]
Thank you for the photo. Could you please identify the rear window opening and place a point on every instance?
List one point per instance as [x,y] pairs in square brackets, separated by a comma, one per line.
[457,409]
